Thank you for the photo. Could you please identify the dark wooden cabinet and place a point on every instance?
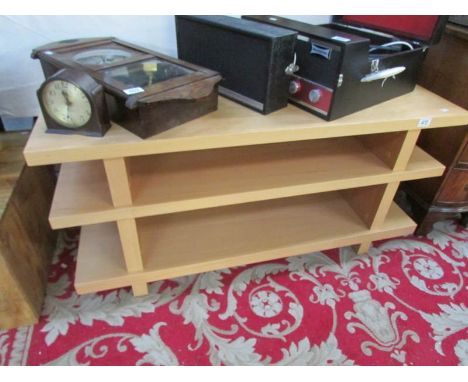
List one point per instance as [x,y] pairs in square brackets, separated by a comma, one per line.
[455,189]
[445,73]
[26,240]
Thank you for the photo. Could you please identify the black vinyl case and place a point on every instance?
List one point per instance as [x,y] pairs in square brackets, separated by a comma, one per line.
[356,61]
[250,56]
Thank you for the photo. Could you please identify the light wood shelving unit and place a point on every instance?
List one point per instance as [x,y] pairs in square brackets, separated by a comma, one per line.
[236,187]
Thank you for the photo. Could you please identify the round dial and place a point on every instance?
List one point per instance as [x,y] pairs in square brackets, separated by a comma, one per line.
[100,57]
[315,95]
[294,87]
[66,103]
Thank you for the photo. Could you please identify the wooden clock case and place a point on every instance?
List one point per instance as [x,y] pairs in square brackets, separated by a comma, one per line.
[145,109]
[98,123]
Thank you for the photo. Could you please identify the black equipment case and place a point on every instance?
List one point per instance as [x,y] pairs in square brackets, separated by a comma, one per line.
[250,56]
[356,61]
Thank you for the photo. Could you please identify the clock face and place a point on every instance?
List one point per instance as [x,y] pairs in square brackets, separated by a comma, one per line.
[100,57]
[66,103]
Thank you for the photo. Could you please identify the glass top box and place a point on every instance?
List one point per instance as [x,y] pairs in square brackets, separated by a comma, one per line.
[146,92]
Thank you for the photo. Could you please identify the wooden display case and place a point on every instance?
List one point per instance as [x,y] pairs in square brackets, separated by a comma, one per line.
[236,187]
[146,92]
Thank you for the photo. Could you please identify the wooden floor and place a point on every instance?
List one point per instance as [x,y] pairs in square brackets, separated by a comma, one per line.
[11,163]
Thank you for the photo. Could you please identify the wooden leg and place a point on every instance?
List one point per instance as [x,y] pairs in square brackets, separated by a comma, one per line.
[140,289]
[130,244]
[385,203]
[119,185]
[363,248]
[430,218]
[406,150]
[464,219]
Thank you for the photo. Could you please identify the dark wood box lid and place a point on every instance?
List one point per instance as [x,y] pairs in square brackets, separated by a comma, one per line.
[137,74]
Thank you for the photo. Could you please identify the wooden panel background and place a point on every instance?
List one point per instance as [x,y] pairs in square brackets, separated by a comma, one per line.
[26,244]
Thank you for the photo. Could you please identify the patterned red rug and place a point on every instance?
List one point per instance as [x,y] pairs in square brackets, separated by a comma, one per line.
[403,303]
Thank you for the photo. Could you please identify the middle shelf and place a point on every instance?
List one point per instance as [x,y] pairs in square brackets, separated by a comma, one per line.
[177,182]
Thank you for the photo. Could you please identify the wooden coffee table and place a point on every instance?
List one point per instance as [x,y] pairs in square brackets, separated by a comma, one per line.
[236,187]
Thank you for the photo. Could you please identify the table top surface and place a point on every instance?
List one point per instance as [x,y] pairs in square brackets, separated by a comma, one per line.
[235,125]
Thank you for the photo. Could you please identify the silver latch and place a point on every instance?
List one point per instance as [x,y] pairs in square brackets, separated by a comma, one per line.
[340,80]
[374,66]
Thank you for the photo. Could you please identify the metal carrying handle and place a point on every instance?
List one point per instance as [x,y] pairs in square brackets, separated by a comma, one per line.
[383,74]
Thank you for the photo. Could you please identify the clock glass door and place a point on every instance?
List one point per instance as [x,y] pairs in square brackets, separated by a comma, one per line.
[143,74]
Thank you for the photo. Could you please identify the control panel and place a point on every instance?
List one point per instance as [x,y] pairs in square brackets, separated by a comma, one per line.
[310,94]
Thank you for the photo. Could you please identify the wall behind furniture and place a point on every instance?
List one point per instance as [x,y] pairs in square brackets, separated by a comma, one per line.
[20,76]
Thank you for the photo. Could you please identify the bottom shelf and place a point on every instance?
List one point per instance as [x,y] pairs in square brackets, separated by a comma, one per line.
[205,240]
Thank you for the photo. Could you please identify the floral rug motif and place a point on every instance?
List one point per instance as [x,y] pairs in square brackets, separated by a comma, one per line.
[404,303]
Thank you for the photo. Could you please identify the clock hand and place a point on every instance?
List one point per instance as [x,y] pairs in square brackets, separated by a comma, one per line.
[67,103]
[67,100]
